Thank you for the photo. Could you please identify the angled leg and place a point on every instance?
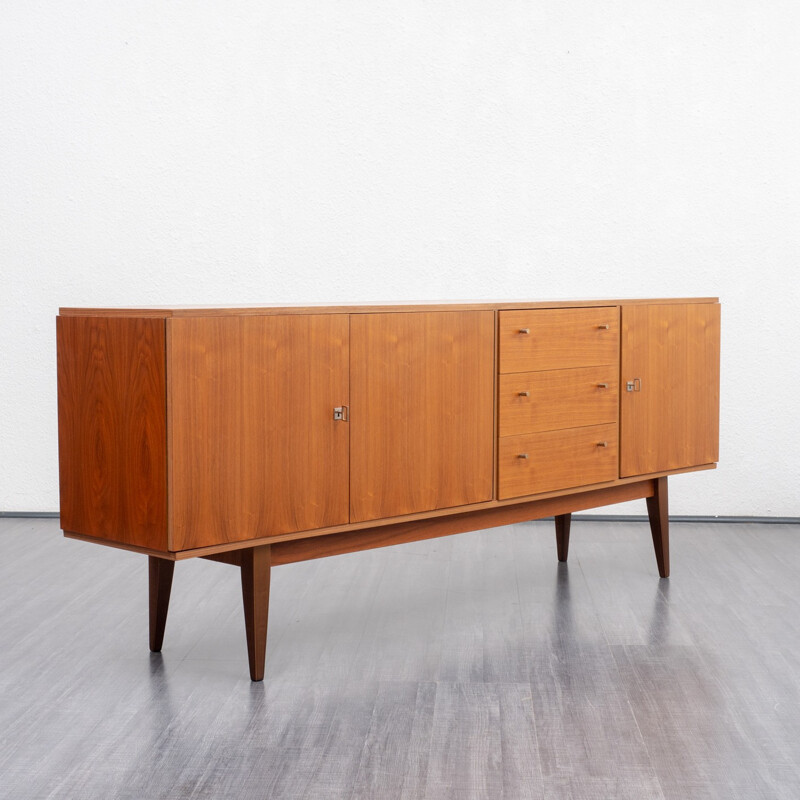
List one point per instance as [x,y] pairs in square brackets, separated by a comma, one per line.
[255,565]
[161,570]
[562,535]
[658,511]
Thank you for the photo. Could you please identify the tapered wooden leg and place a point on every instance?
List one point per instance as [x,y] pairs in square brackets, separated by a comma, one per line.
[256,563]
[562,535]
[161,570]
[658,511]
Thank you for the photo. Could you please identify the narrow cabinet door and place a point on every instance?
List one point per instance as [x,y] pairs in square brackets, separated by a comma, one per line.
[254,446]
[422,387]
[669,392]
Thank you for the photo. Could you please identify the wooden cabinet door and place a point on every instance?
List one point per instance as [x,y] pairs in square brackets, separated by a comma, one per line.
[254,448]
[421,418]
[670,417]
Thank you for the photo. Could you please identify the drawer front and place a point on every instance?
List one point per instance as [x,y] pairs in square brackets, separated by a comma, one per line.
[562,398]
[556,460]
[558,338]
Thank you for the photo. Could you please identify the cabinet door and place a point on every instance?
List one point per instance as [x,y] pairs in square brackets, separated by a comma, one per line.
[254,448]
[670,415]
[421,420]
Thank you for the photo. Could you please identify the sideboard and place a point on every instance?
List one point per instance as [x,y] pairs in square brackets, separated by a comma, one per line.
[260,436]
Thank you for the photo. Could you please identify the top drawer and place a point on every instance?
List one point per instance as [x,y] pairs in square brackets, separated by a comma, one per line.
[558,338]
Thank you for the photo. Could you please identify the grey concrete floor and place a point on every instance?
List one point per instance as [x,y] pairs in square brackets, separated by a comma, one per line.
[468,667]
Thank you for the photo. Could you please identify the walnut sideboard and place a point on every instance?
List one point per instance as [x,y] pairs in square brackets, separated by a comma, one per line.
[262,436]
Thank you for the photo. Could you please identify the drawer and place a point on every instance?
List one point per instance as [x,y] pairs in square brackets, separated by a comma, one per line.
[558,338]
[561,398]
[556,460]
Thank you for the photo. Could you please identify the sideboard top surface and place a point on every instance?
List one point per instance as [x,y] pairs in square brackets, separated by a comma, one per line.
[364,308]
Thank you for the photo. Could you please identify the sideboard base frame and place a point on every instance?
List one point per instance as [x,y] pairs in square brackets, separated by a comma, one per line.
[256,562]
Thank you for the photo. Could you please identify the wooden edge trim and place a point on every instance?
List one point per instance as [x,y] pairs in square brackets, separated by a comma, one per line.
[668,473]
[404,532]
[233,557]
[144,311]
[170,427]
[496,405]
[480,305]
[121,546]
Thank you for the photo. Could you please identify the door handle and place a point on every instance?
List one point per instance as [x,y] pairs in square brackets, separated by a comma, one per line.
[633,386]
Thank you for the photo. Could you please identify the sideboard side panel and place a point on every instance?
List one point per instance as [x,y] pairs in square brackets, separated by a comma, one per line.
[112,429]
[254,448]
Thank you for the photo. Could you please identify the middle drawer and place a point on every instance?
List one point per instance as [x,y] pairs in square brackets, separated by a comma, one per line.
[561,398]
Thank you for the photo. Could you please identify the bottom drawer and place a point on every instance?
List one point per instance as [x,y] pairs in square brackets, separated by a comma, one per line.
[556,460]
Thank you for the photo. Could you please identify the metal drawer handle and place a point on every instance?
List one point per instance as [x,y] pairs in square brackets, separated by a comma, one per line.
[524,394]
[602,444]
[603,327]
[522,455]
[602,386]
[524,330]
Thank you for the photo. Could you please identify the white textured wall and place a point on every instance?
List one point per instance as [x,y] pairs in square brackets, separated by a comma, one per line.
[196,152]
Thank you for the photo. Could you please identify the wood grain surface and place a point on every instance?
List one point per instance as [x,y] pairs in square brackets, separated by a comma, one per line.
[658,513]
[254,447]
[673,421]
[421,413]
[558,338]
[550,460]
[359,308]
[160,574]
[418,530]
[563,522]
[112,429]
[255,566]
[561,398]
[228,550]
